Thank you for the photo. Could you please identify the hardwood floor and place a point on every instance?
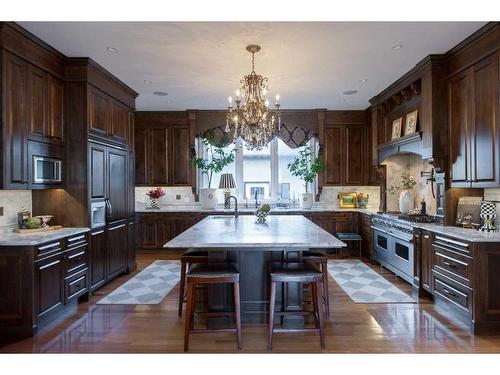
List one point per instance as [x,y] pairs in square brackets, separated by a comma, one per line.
[352,328]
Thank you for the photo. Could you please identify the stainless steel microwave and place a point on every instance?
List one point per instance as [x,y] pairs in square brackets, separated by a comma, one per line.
[47,170]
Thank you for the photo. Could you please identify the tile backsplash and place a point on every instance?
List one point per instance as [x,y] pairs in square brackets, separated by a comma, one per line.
[174,195]
[411,164]
[329,195]
[12,202]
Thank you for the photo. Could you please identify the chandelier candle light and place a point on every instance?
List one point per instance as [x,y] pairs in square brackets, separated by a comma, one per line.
[252,119]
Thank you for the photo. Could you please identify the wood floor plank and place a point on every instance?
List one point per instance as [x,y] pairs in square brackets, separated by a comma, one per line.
[352,328]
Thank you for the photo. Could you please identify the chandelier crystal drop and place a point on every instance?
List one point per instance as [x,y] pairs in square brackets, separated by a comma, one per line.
[251,119]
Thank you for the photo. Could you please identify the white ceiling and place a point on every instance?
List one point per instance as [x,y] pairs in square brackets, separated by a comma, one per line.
[200,64]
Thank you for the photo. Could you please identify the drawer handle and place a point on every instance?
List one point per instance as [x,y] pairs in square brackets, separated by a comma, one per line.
[454,295]
[73,239]
[49,265]
[456,262]
[49,246]
[446,240]
[77,281]
[449,264]
[76,255]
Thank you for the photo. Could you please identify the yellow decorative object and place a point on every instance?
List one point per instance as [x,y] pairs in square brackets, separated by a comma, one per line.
[347,200]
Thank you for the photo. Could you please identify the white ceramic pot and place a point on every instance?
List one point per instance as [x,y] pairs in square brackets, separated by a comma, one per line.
[208,198]
[307,200]
[406,201]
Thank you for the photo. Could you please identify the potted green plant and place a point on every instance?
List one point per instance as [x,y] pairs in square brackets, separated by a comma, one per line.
[306,167]
[215,162]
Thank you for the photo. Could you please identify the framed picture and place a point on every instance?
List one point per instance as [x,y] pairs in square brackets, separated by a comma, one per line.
[411,122]
[396,128]
[468,210]
[347,200]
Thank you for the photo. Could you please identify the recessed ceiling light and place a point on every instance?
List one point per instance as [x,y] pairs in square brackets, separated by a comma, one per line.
[350,92]
[397,46]
[112,49]
[160,93]
[148,81]
[364,80]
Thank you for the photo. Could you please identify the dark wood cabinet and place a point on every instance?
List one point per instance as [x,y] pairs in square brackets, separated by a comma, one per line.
[97,258]
[131,262]
[117,249]
[474,130]
[366,232]
[109,119]
[98,111]
[117,183]
[49,292]
[55,111]
[97,170]
[346,155]
[14,142]
[36,102]
[162,144]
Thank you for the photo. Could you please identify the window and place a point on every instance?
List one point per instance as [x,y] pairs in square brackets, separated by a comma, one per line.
[263,173]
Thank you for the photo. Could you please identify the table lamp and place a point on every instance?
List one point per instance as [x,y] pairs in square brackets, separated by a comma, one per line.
[227,183]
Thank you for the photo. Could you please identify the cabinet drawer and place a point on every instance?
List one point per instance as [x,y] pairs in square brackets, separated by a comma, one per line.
[76,285]
[76,259]
[76,241]
[48,249]
[453,264]
[452,244]
[459,295]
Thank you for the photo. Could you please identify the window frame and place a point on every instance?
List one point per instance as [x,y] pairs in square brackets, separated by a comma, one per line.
[202,179]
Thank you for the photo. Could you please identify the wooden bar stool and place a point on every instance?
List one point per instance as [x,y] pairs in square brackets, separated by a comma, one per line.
[298,273]
[350,237]
[212,273]
[321,260]
[187,259]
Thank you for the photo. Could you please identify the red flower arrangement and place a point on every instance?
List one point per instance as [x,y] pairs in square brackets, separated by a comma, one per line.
[156,193]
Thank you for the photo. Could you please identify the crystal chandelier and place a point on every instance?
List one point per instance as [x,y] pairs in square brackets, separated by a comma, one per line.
[252,119]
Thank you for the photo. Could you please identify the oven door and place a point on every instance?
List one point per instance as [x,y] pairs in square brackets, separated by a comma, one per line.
[382,242]
[402,256]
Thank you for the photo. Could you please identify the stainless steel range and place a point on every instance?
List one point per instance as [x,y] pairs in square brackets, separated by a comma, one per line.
[393,244]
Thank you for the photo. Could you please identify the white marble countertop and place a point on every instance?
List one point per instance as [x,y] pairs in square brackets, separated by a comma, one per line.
[34,239]
[241,208]
[279,231]
[471,235]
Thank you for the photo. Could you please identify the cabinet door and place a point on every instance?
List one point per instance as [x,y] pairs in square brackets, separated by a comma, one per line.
[354,145]
[15,144]
[131,132]
[427,260]
[131,246]
[37,102]
[142,153]
[459,127]
[158,165]
[117,176]
[119,121]
[117,249]
[486,131]
[98,112]
[55,113]
[131,187]
[180,159]
[97,160]
[148,235]
[97,258]
[334,173]
[49,276]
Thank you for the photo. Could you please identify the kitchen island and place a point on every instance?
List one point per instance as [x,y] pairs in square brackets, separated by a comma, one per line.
[252,247]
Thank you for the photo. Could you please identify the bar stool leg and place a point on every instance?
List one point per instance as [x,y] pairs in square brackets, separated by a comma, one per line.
[182,286]
[272,302]
[236,287]
[314,294]
[319,291]
[326,298]
[188,323]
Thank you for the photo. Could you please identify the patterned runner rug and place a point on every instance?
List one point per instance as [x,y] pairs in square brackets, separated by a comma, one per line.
[148,287]
[364,285]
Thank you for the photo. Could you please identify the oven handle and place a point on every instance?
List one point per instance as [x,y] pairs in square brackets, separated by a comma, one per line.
[393,235]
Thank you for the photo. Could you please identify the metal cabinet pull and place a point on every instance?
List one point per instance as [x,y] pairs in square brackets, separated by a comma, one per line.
[49,265]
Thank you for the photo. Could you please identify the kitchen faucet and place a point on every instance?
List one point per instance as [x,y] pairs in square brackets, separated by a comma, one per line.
[228,203]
